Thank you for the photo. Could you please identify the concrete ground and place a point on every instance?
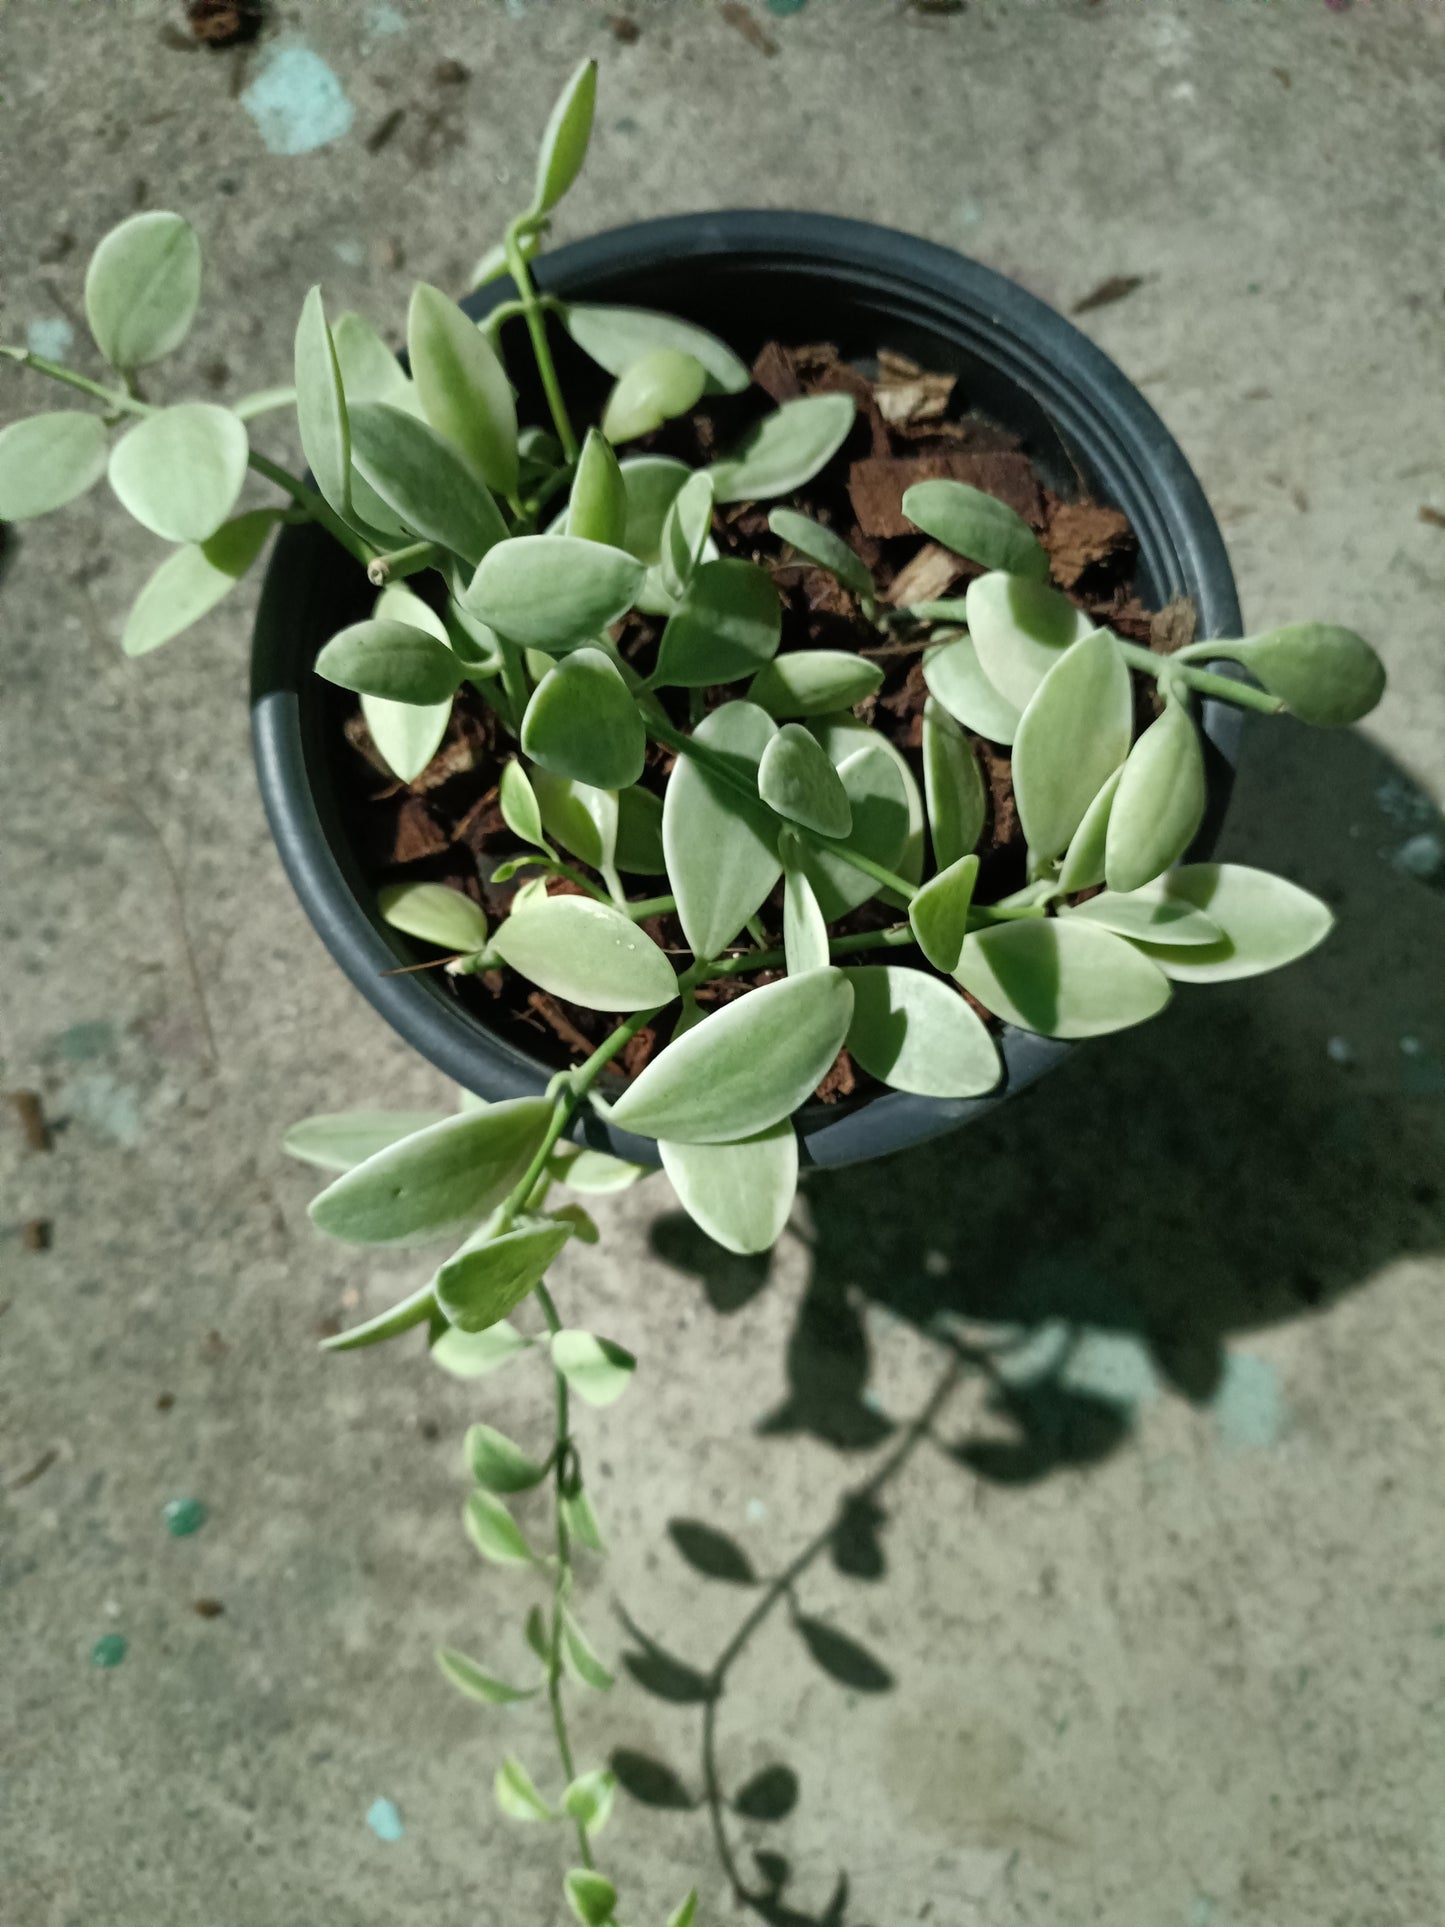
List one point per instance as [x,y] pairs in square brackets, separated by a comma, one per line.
[1157,1603]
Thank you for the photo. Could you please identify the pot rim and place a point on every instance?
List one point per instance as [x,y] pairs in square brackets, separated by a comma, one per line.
[1092,406]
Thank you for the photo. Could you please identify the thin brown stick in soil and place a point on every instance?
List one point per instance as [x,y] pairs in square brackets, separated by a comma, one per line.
[31,1114]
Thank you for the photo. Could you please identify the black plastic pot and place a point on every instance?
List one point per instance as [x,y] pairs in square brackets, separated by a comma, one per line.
[749,277]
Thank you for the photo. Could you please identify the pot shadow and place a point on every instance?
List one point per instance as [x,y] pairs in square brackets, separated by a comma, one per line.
[1254,1155]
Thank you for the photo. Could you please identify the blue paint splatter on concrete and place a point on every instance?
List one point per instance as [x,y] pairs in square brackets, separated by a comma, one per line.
[297,102]
[1203,1913]
[1249,1408]
[1114,1365]
[106,1104]
[385,21]
[52,337]
[384,1820]
[350,251]
[81,1041]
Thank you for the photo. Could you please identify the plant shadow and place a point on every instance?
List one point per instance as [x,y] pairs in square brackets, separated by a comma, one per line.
[1254,1155]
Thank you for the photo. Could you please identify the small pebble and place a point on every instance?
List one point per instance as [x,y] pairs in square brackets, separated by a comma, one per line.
[108,1650]
[183,1517]
[384,1820]
[207,1608]
[1338,1049]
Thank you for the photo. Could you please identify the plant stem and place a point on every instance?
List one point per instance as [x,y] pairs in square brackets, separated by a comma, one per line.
[319,510]
[399,563]
[117,400]
[560,1453]
[514,682]
[1244,694]
[535,312]
[649,907]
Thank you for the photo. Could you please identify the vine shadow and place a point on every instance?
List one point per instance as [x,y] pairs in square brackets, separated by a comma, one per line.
[1254,1155]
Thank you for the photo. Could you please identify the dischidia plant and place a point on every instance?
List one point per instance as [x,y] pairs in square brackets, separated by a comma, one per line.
[543,540]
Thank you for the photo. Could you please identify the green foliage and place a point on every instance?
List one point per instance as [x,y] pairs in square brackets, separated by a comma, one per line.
[391,659]
[589,1798]
[463,387]
[1322,674]
[956,679]
[825,548]
[1019,629]
[805,934]
[727,625]
[786,449]
[650,391]
[497,1465]
[744,1068]
[337,1140]
[553,591]
[685,532]
[1071,738]
[878,805]
[564,143]
[796,779]
[721,844]
[597,508]
[517,1795]
[1267,922]
[739,1193]
[142,289]
[953,782]
[192,580]
[1063,979]
[436,913]
[596,1369]
[582,723]
[321,403]
[477,1354]
[587,952]
[590,1896]
[494,1532]
[813,682]
[426,481]
[475,1684]
[976,526]
[1148,915]
[407,735]
[617,338]
[49,460]
[939,913]
[179,472]
[1159,804]
[914,1032]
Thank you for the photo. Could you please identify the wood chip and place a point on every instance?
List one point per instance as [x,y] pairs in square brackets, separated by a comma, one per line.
[1436,517]
[417,833]
[35,1234]
[220,23]
[748,25]
[384,130]
[1081,534]
[1116,288]
[624,28]
[914,398]
[450,73]
[207,1608]
[32,1473]
[841,1080]
[876,485]
[776,372]
[557,1020]
[1174,626]
[930,575]
[31,1114]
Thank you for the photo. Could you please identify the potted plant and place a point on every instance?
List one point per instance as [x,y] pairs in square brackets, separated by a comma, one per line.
[925,815]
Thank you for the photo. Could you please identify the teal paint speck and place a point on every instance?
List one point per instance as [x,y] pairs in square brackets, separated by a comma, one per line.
[785,7]
[384,22]
[183,1517]
[1203,1913]
[53,338]
[81,1041]
[1249,1407]
[108,1651]
[1113,1365]
[384,1820]
[297,102]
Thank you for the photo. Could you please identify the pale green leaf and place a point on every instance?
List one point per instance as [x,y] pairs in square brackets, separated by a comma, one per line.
[685,532]
[827,549]
[813,682]
[497,1464]
[564,142]
[1019,630]
[436,1182]
[1149,915]
[596,1369]
[518,804]
[651,391]
[727,625]
[553,591]
[583,1664]
[589,1798]
[939,913]
[584,820]
[478,1354]
[321,412]
[955,679]
[262,401]
[591,1896]
[179,472]
[595,1174]
[878,803]
[142,288]
[796,779]
[391,659]
[191,581]
[786,449]
[745,1067]
[1073,735]
[1324,675]
[49,460]
[597,510]
[587,953]
[639,833]
[369,370]
[494,1532]
[1083,864]
[1160,801]
[462,386]
[615,338]
[435,912]
[406,736]
[337,1140]
[474,1684]
[976,526]
[581,1518]
[652,483]
[686,1915]
[916,1033]
[740,1193]
[1267,921]
[427,483]
[584,1225]
[417,1309]
[843,736]
[953,782]
[535,1631]
[494,1270]
[582,723]
[517,1797]
[721,848]
[805,935]
[1061,978]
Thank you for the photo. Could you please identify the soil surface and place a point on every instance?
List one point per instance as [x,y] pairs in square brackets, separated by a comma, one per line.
[911,426]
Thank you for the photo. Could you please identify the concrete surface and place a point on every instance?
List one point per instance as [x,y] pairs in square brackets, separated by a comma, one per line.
[1160,1602]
